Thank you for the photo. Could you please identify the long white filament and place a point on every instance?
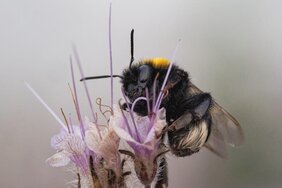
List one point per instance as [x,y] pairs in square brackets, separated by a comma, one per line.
[86,91]
[84,83]
[111,55]
[161,94]
[82,130]
[46,106]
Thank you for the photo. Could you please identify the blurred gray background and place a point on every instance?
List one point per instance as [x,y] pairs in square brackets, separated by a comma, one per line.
[231,49]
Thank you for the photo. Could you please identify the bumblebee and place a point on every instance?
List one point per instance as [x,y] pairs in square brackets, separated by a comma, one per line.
[194,119]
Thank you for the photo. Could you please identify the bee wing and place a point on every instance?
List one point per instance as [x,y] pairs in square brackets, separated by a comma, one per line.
[225,129]
[227,125]
[216,143]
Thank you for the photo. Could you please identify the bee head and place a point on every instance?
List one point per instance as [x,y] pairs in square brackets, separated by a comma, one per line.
[136,79]
[141,76]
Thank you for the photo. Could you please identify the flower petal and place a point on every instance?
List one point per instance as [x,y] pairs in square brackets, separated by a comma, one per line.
[122,133]
[74,145]
[57,139]
[158,125]
[58,160]
[149,128]
[92,139]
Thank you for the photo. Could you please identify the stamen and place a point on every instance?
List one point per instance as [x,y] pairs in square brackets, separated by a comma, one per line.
[86,90]
[66,121]
[148,101]
[154,89]
[126,121]
[99,102]
[111,54]
[131,115]
[82,130]
[100,105]
[160,97]
[73,99]
[71,124]
[84,83]
[136,100]
[45,105]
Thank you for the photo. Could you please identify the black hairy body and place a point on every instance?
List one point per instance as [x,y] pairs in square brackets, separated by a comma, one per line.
[177,101]
[187,113]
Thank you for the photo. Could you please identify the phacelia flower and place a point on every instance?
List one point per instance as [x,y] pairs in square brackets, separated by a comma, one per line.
[143,135]
[106,147]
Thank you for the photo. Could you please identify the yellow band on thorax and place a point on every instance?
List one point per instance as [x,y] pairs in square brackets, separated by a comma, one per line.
[158,62]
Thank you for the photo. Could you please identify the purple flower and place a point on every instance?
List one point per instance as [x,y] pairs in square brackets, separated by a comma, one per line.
[143,135]
[70,148]
[105,147]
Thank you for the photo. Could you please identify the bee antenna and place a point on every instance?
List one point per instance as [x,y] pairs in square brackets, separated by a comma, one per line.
[131,47]
[100,77]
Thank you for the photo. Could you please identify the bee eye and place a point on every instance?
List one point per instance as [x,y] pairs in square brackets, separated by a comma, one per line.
[144,73]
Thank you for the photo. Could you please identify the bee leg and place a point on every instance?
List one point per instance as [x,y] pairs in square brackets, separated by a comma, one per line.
[181,122]
[189,132]
[198,105]
[162,179]
[196,108]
